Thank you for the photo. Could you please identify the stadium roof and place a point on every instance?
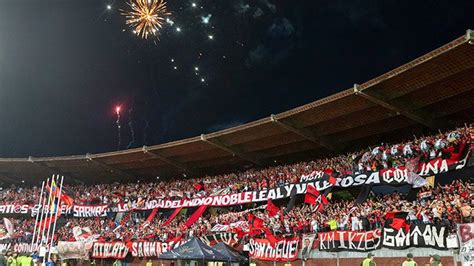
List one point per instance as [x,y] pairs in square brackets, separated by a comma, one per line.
[432,91]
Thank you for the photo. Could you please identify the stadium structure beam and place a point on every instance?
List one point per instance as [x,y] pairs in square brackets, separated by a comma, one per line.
[155,154]
[470,36]
[51,170]
[302,132]
[413,115]
[91,158]
[218,144]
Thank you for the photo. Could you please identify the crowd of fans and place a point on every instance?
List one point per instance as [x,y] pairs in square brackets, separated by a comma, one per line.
[445,205]
[446,145]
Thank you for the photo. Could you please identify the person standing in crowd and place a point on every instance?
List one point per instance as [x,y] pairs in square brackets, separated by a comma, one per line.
[34,257]
[11,261]
[369,261]
[50,262]
[466,212]
[435,260]
[3,261]
[19,259]
[27,260]
[24,260]
[117,262]
[409,261]
[355,222]
[149,262]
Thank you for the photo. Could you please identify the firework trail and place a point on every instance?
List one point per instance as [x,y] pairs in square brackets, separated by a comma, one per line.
[117,111]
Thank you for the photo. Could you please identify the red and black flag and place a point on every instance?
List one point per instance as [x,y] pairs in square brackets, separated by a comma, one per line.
[272,209]
[397,220]
[270,237]
[331,176]
[311,196]
[254,221]
[200,186]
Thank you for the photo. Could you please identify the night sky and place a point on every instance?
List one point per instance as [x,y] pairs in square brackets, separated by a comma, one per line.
[66,64]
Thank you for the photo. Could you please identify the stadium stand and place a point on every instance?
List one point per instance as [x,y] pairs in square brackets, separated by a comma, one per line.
[436,206]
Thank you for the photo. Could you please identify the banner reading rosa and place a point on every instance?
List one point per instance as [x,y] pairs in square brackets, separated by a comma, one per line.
[422,235]
[285,249]
[350,240]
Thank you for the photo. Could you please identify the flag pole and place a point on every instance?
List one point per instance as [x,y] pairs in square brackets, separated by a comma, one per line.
[40,231]
[58,209]
[38,214]
[50,215]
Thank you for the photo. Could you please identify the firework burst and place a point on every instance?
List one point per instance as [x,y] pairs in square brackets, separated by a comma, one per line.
[146,17]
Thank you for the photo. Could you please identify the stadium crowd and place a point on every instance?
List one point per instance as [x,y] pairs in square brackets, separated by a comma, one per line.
[446,145]
[445,205]
[438,205]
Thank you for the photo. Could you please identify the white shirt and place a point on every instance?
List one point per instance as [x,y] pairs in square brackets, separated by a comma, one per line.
[314,225]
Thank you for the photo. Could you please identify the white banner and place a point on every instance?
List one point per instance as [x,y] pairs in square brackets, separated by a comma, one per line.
[73,250]
[466,241]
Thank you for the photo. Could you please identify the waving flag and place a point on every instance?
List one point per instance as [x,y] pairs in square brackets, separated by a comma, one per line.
[272,209]
[311,195]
